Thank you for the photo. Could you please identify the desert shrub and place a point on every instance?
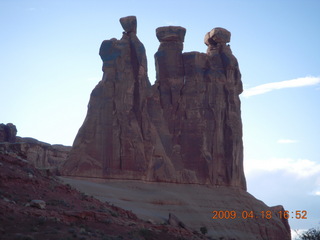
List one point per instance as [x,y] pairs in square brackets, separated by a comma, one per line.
[58,202]
[203,230]
[311,234]
[113,214]
[147,234]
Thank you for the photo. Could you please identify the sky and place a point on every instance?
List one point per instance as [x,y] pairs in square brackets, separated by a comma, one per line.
[49,64]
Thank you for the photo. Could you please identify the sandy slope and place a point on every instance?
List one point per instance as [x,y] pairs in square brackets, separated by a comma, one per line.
[193,204]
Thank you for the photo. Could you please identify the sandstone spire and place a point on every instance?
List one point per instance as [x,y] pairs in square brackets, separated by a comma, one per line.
[186,128]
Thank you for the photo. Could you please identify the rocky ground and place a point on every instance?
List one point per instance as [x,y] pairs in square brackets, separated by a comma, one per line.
[65,213]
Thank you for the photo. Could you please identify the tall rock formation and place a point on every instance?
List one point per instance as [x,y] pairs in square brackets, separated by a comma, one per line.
[111,142]
[186,128]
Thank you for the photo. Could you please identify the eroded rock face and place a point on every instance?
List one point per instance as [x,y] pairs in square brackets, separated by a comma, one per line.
[112,141]
[40,154]
[186,128]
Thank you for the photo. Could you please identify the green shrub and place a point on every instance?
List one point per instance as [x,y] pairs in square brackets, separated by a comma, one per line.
[147,234]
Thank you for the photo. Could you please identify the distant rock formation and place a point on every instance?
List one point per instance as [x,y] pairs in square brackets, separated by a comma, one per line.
[186,128]
[39,154]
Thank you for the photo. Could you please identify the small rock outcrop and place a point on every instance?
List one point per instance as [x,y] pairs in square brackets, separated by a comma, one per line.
[38,204]
[8,132]
[173,220]
[186,128]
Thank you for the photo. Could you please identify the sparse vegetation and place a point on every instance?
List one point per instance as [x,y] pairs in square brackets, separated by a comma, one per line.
[114,214]
[58,202]
[204,230]
[162,202]
[147,234]
[311,234]
[41,220]
[84,196]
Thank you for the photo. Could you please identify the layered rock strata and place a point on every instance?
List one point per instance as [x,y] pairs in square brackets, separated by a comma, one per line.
[40,154]
[186,128]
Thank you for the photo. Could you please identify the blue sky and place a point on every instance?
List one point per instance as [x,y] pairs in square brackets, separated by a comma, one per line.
[49,65]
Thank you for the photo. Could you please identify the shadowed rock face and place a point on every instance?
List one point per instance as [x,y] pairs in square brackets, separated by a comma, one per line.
[186,128]
[8,132]
[40,154]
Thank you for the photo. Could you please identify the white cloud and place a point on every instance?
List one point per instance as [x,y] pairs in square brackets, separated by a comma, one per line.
[264,88]
[300,168]
[316,192]
[284,141]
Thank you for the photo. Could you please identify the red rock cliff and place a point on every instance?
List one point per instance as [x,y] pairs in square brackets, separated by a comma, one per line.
[186,128]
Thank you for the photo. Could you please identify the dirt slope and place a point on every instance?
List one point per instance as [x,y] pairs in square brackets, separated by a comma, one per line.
[68,213]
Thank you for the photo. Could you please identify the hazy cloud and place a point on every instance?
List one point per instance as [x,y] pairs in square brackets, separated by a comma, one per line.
[31,9]
[285,141]
[268,87]
[316,192]
[300,168]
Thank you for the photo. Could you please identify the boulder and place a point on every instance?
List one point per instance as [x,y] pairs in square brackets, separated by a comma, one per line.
[38,204]
[129,24]
[171,34]
[217,35]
